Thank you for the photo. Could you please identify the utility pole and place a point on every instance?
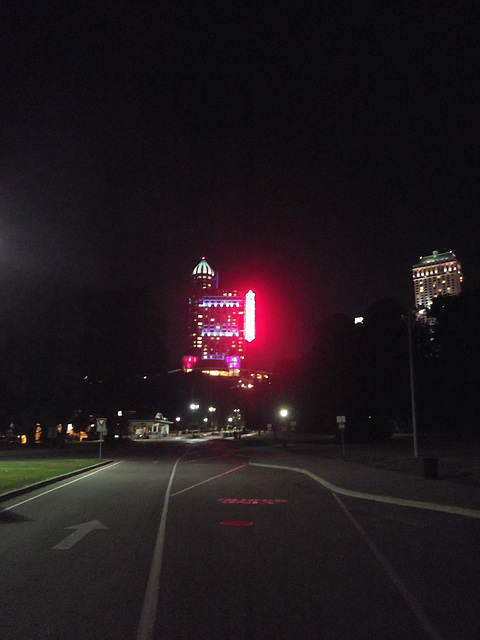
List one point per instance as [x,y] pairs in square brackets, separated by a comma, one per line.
[412,384]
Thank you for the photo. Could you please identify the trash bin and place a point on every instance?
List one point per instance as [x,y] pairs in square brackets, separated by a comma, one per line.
[430,467]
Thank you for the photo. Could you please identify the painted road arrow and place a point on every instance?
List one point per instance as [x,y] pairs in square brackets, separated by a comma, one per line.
[81,530]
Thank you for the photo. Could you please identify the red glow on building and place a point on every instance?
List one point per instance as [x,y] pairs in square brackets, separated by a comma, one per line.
[221,322]
[189,362]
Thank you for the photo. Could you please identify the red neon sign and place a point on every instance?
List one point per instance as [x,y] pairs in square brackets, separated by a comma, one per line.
[249,327]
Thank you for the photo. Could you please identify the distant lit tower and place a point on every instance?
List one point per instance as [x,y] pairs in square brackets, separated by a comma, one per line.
[203,276]
[437,275]
[220,322]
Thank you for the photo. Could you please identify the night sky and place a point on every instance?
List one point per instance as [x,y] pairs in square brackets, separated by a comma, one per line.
[311,150]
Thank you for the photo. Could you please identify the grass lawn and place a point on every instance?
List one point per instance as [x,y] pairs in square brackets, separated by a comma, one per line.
[16,474]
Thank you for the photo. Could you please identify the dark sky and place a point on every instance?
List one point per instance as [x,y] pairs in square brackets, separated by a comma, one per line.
[313,150]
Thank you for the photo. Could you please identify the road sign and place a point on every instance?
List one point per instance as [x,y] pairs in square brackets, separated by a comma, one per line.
[102,425]
[341,419]
[341,426]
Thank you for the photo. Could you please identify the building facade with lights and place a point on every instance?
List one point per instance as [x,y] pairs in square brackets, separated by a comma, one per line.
[439,274]
[220,324]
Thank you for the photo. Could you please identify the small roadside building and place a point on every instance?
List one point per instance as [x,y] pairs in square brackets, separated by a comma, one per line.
[157,427]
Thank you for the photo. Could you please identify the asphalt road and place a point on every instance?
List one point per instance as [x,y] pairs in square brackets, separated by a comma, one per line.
[197,540]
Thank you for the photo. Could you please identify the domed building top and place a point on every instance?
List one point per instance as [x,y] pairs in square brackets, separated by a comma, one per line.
[203,268]
[203,275]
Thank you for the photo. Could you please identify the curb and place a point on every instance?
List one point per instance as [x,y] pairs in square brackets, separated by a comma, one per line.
[38,485]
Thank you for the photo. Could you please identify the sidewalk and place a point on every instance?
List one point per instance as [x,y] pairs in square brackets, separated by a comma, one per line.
[384,470]
[458,460]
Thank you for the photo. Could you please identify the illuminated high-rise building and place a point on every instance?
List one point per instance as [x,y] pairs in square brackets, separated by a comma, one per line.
[220,324]
[439,274]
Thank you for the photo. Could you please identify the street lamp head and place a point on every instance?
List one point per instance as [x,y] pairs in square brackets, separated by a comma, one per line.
[283,413]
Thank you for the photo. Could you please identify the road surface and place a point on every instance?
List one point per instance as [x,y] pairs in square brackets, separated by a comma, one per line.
[220,540]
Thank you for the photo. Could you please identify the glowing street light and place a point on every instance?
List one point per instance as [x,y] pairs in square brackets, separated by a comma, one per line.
[213,422]
[194,407]
[283,413]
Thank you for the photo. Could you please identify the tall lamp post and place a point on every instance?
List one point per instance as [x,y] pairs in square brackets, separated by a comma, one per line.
[412,385]
[194,407]
[283,415]
[213,424]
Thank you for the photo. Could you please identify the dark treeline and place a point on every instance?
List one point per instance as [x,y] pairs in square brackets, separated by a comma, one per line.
[67,353]
[65,349]
[447,366]
[362,371]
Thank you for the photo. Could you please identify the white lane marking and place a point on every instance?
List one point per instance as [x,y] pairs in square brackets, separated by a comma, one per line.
[150,601]
[44,493]
[403,502]
[414,605]
[81,530]
[208,480]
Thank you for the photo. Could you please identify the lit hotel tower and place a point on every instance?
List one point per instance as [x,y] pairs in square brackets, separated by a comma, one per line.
[220,324]
[437,275]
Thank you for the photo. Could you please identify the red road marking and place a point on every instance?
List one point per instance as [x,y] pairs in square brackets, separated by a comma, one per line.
[249,501]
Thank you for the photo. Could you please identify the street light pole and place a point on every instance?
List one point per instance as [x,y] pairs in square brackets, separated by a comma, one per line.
[213,421]
[412,386]
[283,415]
[194,407]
